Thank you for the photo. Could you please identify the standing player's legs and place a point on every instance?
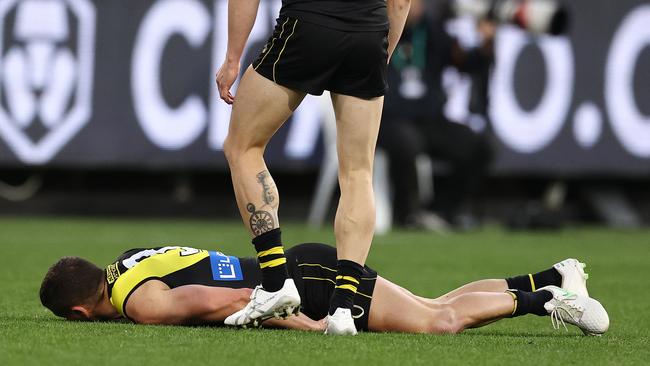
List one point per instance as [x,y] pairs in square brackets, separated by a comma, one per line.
[357,122]
[259,110]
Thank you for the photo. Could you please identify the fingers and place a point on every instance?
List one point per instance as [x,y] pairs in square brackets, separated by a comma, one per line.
[226,77]
[224,92]
[225,95]
[230,99]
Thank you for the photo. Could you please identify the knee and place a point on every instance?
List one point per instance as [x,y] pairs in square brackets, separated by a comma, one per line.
[355,177]
[446,321]
[229,149]
[234,148]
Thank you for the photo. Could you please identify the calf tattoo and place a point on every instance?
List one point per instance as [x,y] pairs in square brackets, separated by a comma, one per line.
[267,194]
[261,221]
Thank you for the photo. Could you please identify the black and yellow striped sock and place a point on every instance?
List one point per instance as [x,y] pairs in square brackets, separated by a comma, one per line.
[270,256]
[531,282]
[348,277]
[529,302]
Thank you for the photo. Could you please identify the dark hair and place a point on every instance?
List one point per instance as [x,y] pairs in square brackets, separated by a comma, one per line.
[69,282]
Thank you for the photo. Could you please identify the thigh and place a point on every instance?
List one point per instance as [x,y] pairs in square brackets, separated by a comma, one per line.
[357,125]
[260,109]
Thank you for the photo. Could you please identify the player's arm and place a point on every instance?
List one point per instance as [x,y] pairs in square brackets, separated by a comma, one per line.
[155,303]
[241,17]
[397,12]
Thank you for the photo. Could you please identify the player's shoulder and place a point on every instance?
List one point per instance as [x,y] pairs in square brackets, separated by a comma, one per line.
[144,299]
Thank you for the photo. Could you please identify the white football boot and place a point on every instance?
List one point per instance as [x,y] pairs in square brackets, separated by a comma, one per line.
[266,305]
[341,323]
[574,278]
[582,311]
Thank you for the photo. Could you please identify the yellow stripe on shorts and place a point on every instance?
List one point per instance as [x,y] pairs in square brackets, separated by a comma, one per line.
[348,287]
[347,278]
[283,47]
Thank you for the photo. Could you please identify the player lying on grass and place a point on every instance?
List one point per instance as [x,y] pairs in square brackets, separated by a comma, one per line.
[181,285]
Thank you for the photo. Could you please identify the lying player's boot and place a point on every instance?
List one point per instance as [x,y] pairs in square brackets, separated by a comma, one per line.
[341,323]
[574,278]
[582,311]
[266,305]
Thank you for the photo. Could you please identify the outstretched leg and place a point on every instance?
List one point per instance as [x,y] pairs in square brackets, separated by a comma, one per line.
[568,273]
[479,303]
[394,309]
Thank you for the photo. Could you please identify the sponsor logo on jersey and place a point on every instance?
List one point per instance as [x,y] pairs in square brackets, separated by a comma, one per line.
[112,273]
[225,268]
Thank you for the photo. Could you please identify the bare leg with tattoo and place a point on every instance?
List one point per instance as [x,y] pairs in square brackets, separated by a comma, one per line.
[260,109]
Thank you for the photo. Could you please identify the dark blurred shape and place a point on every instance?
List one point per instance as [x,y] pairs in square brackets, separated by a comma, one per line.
[534,216]
[414,123]
[535,16]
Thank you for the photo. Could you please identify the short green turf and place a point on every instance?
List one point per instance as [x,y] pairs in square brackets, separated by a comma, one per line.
[428,264]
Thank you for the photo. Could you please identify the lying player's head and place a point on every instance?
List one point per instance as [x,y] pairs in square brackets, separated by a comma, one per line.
[72,288]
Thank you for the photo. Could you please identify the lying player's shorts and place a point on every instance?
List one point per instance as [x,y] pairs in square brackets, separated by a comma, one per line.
[313,268]
[311,58]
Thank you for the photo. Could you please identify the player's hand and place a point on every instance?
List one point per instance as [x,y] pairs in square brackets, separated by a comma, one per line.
[321,325]
[226,76]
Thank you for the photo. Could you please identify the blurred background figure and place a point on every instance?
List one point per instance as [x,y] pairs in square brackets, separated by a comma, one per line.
[414,123]
[108,108]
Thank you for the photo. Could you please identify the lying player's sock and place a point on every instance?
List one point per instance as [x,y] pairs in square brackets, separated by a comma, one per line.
[532,282]
[270,256]
[530,302]
[348,276]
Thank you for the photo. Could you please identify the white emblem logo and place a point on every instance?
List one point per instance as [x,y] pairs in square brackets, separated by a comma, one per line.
[46,74]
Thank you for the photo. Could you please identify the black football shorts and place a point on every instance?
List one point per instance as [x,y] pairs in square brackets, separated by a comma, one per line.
[313,269]
[311,58]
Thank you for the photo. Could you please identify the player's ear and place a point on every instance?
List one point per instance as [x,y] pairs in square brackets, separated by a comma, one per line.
[80,312]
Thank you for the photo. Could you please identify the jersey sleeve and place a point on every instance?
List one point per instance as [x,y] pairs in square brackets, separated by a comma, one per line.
[152,268]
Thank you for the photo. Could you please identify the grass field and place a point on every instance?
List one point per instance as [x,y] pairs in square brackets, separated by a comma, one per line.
[618,263]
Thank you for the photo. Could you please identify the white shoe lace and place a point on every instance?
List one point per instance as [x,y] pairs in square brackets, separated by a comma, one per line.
[556,320]
[568,309]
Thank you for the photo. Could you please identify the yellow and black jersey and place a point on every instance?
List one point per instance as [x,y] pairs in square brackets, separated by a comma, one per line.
[312,267]
[177,266]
